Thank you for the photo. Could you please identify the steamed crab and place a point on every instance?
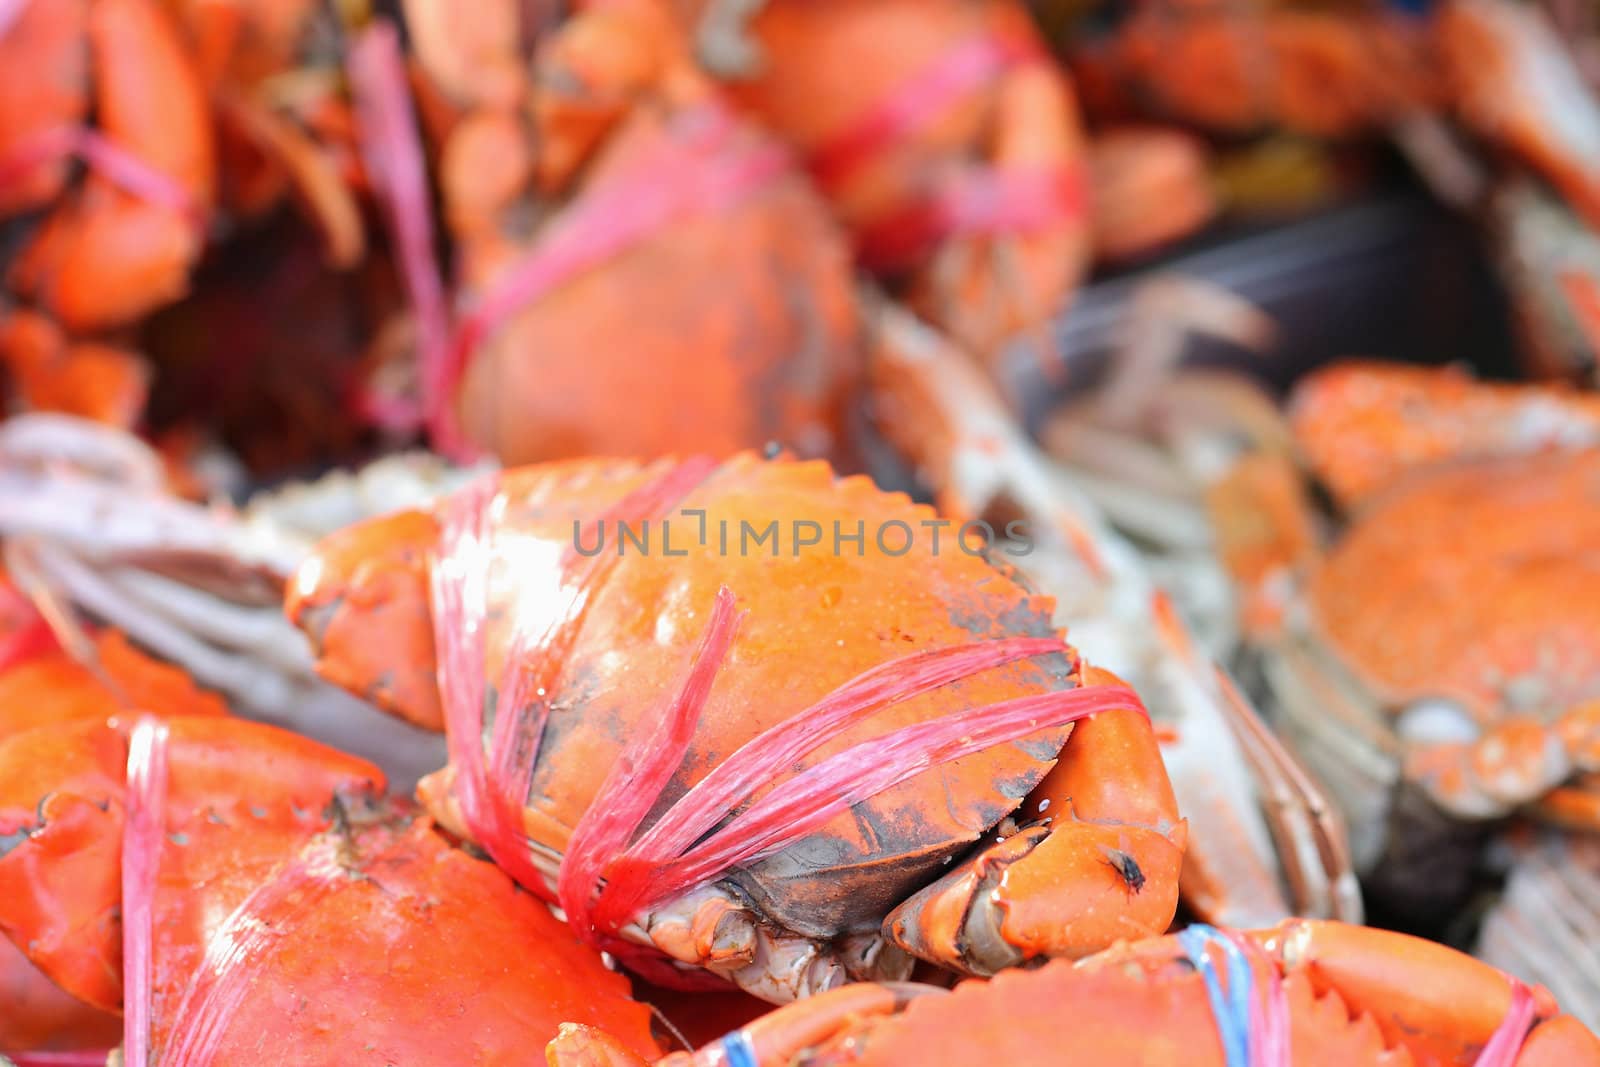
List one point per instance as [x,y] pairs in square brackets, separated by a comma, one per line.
[1437,666]
[208,878]
[1304,992]
[871,761]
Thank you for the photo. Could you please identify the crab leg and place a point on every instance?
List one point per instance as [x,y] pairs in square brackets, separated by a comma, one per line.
[1310,831]
[243,677]
[41,438]
[1308,837]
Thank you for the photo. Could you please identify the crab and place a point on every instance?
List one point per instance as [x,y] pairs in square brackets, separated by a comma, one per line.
[630,697]
[1431,715]
[1329,71]
[156,851]
[601,189]
[163,866]
[1305,992]
[117,244]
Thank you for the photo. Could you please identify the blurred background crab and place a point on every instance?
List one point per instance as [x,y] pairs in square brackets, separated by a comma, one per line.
[1435,666]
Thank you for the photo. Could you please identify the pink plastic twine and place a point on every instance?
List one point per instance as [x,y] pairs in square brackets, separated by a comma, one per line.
[916,103]
[391,151]
[493,786]
[105,157]
[973,200]
[1269,1014]
[142,831]
[645,767]
[1504,1045]
[10,12]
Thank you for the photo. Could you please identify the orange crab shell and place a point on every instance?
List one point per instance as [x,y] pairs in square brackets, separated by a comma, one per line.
[44,84]
[382,943]
[1514,538]
[61,823]
[89,379]
[732,327]
[53,687]
[1152,187]
[816,619]
[1350,995]
[1331,74]
[1365,426]
[108,256]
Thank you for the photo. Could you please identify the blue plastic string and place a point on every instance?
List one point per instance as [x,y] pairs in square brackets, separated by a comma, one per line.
[1231,1007]
[738,1050]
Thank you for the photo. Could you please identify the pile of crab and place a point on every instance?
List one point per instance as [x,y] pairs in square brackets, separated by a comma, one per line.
[733,678]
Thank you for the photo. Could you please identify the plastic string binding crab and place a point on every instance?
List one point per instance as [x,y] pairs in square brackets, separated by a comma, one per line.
[1251,1037]
[142,830]
[108,159]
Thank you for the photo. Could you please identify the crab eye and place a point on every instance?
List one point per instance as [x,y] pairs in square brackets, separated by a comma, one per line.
[1437,721]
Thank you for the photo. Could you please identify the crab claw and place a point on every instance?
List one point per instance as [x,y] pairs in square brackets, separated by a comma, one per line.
[1102,864]
[362,598]
[1443,1005]
[1202,997]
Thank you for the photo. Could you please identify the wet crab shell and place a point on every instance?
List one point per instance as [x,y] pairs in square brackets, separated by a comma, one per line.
[817,617]
[62,797]
[382,943]
[52,687]
[1364,427]
[36,1015]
